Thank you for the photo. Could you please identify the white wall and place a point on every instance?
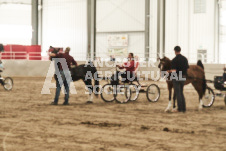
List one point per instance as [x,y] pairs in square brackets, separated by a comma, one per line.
[136,44]
[153,29]
[16,1]
[65,25]
[189,30]
[15,24]
[120,16]
[222,40]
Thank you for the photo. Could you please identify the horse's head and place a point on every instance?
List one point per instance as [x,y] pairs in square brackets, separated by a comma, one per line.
[53,50]
[164,64]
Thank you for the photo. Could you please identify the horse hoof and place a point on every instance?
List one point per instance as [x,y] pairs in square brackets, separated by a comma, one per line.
[89,102]
[200,108]
[167,110]
[174,110]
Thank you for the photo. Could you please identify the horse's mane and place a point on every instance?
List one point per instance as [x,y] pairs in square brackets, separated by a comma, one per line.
[166,59]
[167,62]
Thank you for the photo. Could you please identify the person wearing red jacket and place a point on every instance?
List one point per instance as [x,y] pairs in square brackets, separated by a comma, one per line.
[129,74]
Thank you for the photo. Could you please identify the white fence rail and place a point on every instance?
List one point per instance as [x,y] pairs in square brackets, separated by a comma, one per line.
[192,57]
[22,55]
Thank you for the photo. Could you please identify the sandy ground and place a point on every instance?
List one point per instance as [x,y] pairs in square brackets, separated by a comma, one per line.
[28,122]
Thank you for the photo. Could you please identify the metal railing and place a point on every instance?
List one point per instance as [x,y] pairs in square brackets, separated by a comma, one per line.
[22,55]
[102,56]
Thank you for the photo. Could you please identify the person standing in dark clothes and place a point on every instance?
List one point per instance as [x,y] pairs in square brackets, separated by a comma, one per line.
[1,48]
[1,66]
[64,74]
[1,70]
[179,68]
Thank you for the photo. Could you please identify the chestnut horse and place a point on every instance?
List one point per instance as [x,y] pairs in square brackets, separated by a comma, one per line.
[195,76]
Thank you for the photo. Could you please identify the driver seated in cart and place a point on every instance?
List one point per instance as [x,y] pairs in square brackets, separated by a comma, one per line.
[129,74]
[224,76]
[223,83]
[131,67]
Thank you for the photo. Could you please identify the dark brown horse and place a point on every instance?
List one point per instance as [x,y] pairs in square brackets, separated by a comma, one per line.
[195,76]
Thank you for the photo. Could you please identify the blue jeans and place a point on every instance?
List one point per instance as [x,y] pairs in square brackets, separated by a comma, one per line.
[62,78]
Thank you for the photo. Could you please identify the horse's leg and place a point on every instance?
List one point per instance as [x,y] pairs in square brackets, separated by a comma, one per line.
[170,86]
[89,85]
[199,90]
[200,97]
[200,104]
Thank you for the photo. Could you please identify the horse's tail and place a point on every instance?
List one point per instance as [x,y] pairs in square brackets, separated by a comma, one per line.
[204,85]
[199,63]
[95,77]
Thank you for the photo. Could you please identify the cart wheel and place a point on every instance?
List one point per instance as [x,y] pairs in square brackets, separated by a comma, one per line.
[135,91]
[8,84]
[153,93]
[208,98]
[123,94]
[107,93]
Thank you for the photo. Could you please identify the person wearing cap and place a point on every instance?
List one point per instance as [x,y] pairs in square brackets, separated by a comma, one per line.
[179,68]
[64,75]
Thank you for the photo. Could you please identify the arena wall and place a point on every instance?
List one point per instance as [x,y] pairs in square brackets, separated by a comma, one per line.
[25,68]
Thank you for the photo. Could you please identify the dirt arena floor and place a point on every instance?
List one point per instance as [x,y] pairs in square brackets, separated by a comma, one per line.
[28,122]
